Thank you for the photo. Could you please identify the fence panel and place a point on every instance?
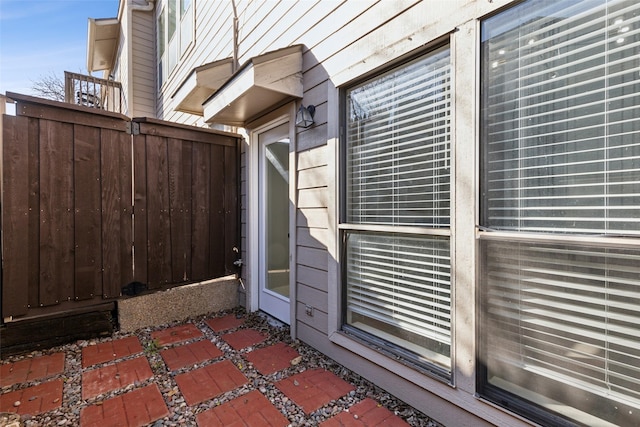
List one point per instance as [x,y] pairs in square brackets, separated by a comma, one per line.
[81,196]
[53,227]
[180,211]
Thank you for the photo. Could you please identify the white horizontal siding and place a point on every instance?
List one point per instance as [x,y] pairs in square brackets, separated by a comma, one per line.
[214,41]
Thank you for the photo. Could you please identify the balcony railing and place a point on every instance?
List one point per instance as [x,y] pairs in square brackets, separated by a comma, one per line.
[93,92]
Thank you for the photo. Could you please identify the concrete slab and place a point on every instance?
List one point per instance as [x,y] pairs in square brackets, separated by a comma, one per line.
[177,303]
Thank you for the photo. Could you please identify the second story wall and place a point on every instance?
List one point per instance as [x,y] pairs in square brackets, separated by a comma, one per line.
[142,65]
[212,40]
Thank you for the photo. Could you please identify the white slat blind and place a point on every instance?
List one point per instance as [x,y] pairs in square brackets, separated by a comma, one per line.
[397,170]
[402,281]
[398,154]
[561,155]
[565,318]
[562,118]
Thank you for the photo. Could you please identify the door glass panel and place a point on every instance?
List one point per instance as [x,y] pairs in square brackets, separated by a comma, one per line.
[277,217]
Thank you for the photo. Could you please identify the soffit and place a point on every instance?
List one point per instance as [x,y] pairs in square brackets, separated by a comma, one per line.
[102,43]
[264,82]
[200,84]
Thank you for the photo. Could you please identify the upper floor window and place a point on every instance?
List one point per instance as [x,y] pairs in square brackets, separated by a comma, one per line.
[175,35]
[560,293]
[396,211]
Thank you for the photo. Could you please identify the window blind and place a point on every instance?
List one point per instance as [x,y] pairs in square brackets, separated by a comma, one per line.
[397,170]
[562,322]
[402,281]
[561,154]
[398,155]
[561,108]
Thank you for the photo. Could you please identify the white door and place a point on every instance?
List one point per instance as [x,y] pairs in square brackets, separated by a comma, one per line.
[273,227]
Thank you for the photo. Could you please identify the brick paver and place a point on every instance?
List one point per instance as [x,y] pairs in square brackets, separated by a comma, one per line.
[34,400]
[210,381]
[114,377]
[227,322]
[273,358]
[133,409]
[176,334]
[190,354]
[243,338]
[32,368]
[110,350]
[314,388]
[367,413]
[249,410]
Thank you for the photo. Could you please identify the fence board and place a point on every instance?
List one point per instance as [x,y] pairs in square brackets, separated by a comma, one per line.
[179,194]
[164,129]
[201,210]
[116,218]
[231,218]
[126,209]
[68,113]
[216,209]
[15,219]
[33,132]
[140,203]
[88,231]
[56,212]
[158,220]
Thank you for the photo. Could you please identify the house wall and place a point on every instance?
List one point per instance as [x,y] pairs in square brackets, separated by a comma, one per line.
[135,65]
[120,72]
[213,41]
[344,41]
[143,64]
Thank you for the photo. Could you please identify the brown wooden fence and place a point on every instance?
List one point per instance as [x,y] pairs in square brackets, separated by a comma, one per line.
[93,201]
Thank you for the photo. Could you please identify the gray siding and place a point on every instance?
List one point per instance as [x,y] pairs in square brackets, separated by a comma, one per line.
[143,64]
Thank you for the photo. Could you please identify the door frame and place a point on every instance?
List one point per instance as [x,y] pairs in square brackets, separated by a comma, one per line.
[270,121]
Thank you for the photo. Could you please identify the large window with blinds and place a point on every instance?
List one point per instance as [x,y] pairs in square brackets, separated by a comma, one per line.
[560,211]
[396,211]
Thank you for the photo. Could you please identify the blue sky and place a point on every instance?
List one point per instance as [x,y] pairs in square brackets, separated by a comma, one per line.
[44,37]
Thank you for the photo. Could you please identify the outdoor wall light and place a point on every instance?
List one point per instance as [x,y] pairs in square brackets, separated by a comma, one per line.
[304,118]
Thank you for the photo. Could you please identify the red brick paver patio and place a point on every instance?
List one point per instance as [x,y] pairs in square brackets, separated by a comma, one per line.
[225,323]
[176,334]
[243,338]
[185,372]
[208,382]
[114,377]
[31,369]
[251,409]
[190,354]
[271,359]
[135,408]
[366,413]
[33,400]
[314,388]
[110,350]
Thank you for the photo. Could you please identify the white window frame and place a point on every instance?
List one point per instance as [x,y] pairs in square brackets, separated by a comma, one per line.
[182,40]
[422,373]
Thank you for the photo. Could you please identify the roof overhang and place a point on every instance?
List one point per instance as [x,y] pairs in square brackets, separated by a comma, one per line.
[102,43]
[200,84]
[263,83]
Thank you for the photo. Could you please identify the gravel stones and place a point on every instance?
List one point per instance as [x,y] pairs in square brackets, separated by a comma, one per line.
[180,413]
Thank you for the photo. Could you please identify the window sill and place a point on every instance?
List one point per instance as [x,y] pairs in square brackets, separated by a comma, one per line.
[404,369]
